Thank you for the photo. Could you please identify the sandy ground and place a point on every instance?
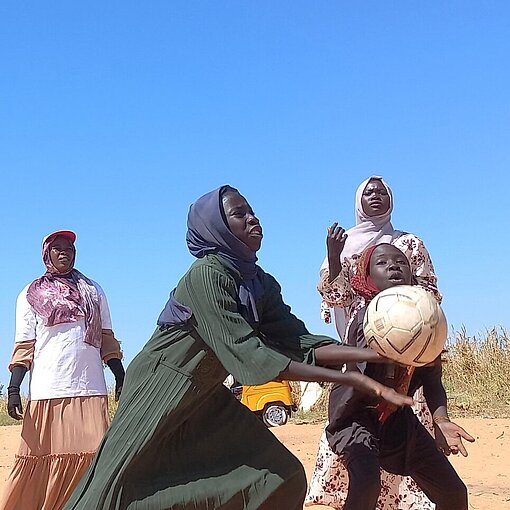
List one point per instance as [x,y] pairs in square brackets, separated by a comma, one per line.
[486,471]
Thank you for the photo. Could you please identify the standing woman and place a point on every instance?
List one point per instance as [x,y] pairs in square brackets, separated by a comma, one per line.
[63,336]
[179,438]
[373,208]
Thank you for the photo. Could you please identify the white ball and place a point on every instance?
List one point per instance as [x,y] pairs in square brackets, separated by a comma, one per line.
[406,324]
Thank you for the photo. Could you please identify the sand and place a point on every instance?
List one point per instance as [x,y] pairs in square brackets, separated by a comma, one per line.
[486,471]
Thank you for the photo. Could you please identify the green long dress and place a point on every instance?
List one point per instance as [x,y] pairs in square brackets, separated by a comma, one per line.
[180,439]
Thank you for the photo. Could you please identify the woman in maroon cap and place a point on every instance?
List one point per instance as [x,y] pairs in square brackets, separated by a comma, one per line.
[63,336]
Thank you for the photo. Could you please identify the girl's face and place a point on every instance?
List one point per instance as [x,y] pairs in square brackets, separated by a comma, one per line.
[389,267]
[241,220]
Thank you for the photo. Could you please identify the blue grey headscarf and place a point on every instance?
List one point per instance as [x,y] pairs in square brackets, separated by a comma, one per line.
[208,233]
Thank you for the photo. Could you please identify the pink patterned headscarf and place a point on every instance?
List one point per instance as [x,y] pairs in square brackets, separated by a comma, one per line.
[62,298]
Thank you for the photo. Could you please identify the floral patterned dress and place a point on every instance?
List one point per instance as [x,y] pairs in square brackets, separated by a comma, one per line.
[330,480]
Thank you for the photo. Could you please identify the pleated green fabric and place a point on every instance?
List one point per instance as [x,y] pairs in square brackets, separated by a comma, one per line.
[180,439]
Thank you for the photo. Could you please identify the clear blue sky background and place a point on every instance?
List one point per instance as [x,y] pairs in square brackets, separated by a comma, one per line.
[115,116]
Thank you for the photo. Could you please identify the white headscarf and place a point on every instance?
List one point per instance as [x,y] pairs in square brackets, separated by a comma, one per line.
[369,230]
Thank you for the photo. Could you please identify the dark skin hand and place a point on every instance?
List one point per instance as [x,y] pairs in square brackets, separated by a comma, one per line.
[449,435]
[335,242]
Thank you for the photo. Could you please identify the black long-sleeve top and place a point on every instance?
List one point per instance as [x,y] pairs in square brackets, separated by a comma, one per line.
[345,402]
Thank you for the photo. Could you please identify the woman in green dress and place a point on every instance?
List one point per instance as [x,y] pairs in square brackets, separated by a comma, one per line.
[180,439]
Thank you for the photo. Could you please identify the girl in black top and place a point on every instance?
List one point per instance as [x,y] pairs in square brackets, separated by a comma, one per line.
[368,434]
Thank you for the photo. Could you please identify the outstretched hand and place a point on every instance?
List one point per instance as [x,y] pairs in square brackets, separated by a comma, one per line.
[375,389]
[449,437]
[335,240]
[395,398]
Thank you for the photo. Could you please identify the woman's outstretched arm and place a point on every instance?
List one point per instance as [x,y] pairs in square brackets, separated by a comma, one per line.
[296,371]
[335,355]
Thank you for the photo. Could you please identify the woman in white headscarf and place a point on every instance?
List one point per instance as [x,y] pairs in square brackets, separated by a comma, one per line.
[373,208]
[374,205]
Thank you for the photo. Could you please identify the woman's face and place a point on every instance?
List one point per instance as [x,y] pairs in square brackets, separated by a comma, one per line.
[241,220]
[389,267]
[62,254]
[375,199]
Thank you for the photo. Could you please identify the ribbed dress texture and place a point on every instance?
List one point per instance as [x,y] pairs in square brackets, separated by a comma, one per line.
[180,439]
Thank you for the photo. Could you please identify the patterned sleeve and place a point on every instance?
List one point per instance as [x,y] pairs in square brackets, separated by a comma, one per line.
[421,263]
[339,291]
[325,312]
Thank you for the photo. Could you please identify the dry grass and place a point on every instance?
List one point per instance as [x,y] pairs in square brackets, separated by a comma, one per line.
[112,405]
[5,419]
[319,410]
[476,374]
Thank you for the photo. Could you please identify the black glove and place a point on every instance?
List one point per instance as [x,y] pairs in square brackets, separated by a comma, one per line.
[115,365]
[14,406]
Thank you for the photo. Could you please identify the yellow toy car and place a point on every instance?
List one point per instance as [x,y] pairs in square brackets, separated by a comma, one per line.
[271,401]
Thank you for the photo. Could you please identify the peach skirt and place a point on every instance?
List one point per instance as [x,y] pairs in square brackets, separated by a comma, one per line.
[59,437]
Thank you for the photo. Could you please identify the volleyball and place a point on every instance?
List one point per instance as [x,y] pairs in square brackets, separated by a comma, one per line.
[406,324]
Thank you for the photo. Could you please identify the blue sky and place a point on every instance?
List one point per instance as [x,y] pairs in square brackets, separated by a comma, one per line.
[115,116]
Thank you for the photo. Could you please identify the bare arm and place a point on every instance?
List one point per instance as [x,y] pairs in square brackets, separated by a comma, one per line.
[296,371]
[335,355]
